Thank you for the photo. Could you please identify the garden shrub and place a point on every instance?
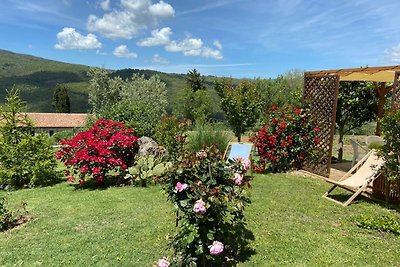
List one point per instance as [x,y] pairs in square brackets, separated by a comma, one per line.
[207,134]
[9,218]
[390,150]
[286,140]
[137,115]
[106,146]
[382,223]
[25,159]
[210,200]
[171,134]
[66,134]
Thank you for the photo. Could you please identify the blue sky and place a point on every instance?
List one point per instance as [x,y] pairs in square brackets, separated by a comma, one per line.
[238,38]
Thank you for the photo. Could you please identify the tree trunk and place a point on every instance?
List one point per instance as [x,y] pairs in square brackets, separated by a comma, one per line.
[340,150]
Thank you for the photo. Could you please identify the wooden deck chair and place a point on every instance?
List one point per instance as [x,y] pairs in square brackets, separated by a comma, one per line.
[358,178]
[243,150]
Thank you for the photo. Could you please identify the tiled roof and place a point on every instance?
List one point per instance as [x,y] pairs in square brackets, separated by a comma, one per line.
[58,120]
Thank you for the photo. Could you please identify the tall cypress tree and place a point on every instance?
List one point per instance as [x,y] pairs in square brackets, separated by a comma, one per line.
[61,101]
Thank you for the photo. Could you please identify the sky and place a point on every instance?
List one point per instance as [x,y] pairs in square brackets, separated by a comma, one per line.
[233,38]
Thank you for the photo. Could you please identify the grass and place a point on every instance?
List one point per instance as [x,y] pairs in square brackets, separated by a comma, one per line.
[127,226]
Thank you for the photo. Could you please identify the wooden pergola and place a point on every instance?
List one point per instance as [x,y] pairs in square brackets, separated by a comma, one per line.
[320,94]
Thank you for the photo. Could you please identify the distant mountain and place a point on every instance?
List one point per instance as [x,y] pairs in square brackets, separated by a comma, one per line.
[36,78]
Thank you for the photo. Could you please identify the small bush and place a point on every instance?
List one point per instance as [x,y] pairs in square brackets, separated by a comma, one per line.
[207,134]
[66,134]
[138,115]
[286,140]
[106,146]
[171,134]
[382,223]
[9,218]
[25,159]
[391,148]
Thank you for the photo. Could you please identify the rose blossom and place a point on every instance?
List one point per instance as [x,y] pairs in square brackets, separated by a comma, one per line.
[179,187]
[199,207]
[238,178]
[216,248]
[162,262]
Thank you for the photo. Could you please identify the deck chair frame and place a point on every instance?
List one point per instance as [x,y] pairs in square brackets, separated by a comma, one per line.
[250,157]
[356,191]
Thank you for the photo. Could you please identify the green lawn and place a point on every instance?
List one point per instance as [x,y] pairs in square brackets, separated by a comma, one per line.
[127,226]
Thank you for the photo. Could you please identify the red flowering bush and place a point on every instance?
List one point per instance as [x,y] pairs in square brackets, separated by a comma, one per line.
[287,138]
[106,146]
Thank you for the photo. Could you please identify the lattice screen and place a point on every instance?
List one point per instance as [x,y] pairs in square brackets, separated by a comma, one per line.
[320,96]
[396,91]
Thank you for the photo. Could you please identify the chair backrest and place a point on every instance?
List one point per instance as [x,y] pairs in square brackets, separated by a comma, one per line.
[365,172]
[240,150]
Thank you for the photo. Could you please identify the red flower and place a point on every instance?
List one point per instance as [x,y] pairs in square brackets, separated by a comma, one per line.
[283,124]
[316,140]
[274,107]
[274,120]
[297,111]
[316,129]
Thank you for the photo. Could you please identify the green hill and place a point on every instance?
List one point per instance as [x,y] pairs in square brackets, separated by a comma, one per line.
[36,78]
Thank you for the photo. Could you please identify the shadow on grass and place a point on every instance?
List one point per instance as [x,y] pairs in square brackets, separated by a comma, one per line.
[240,238]
[110,181]
[343,197]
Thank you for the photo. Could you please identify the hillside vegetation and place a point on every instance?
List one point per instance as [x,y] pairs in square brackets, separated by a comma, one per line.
[36,78]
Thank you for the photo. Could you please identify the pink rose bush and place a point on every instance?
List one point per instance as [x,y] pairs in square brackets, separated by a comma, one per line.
[106,146]
[210,199]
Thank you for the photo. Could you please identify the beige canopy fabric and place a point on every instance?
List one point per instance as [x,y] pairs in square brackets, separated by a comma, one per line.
[374,74]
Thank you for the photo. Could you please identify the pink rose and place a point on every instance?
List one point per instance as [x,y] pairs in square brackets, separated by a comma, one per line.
[216,248]
[238,178]
[199,207]
[179,187]
[245,164]
[162,262]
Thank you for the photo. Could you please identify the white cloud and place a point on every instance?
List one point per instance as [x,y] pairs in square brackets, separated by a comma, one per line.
[69,38]
[393,53]
[122,51]
[211,53]
[105,5]
[159,60]
[217,44]
[162,10]
[187,45]
[127,22]
[159,37]
[193,47]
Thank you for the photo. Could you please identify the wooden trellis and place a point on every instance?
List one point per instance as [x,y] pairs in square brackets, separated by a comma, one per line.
[320,96]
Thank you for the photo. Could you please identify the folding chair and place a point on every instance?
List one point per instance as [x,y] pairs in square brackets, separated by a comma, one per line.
[239,150]
[358,178]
